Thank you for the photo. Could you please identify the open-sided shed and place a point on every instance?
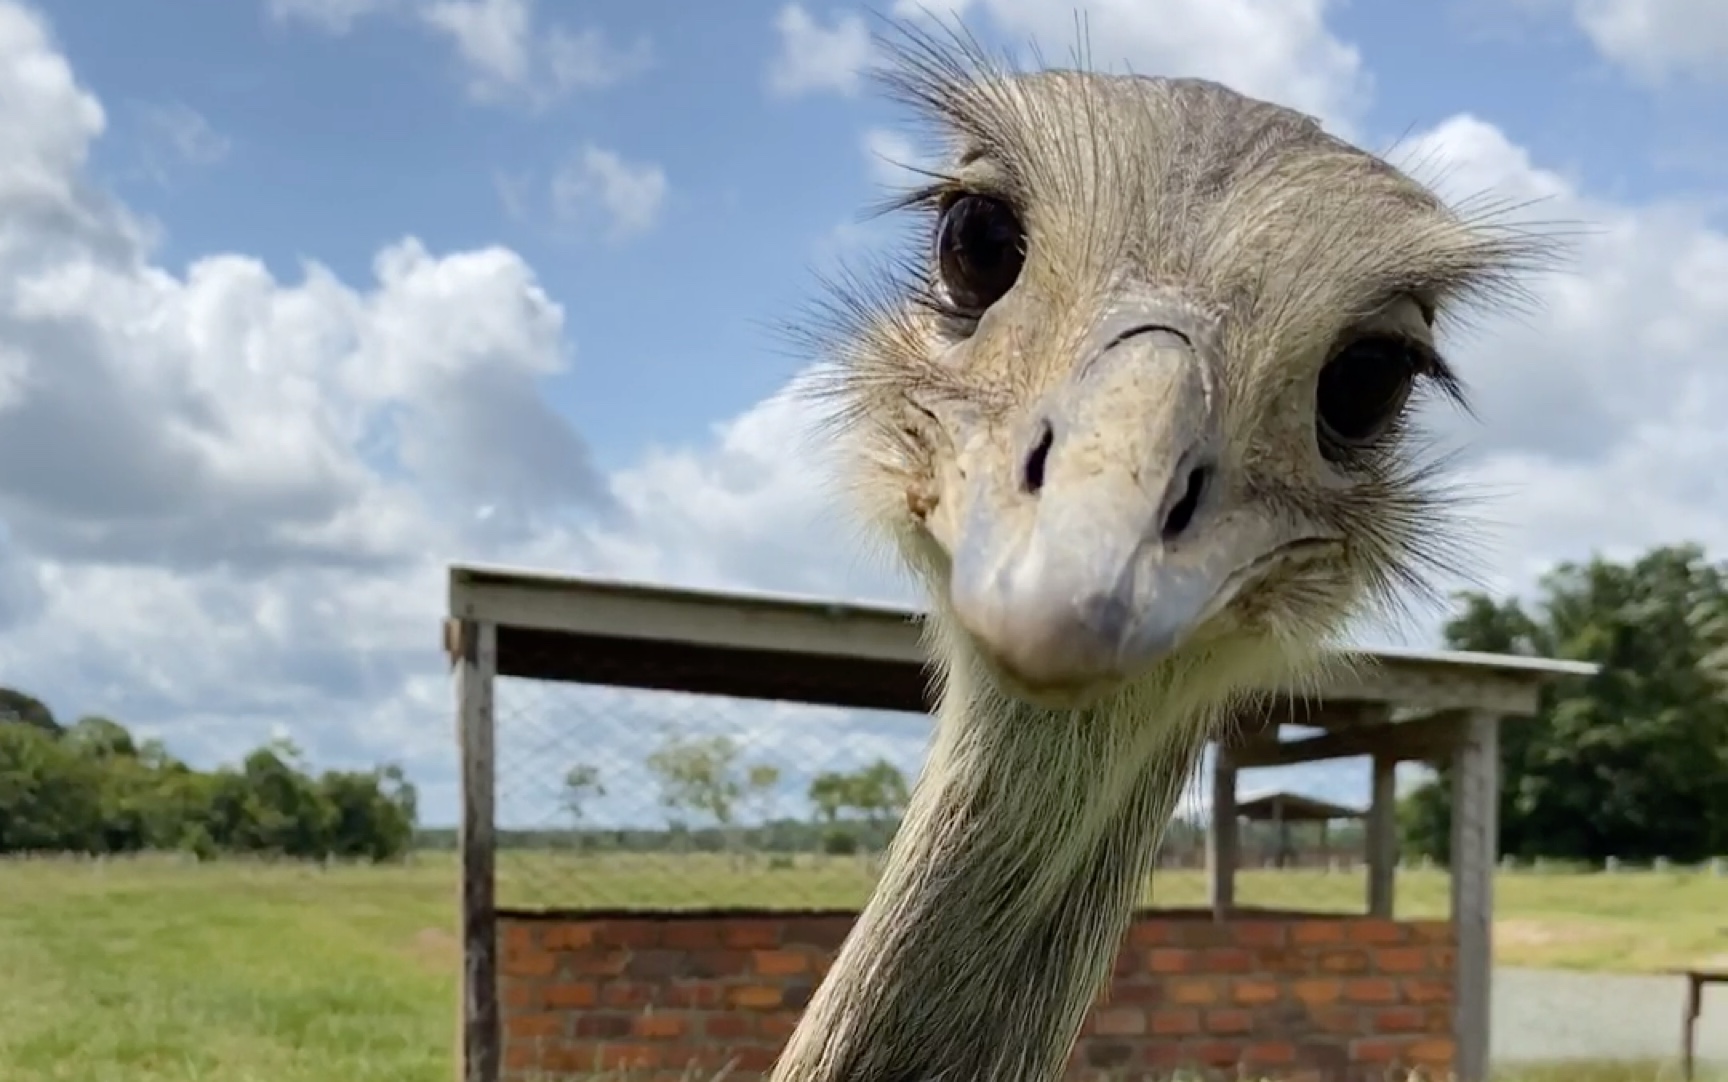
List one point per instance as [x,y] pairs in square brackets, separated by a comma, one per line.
[535,993]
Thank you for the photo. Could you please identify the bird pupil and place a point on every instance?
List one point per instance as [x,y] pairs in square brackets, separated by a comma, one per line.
[980,252]
[1361,389]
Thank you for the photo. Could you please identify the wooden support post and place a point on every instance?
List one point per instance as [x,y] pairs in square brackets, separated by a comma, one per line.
[476,671]
[1383,837]
[1221,840]
[1475,841]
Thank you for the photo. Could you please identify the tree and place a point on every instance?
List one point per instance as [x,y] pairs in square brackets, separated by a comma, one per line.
[17,706]
[1632,763]
[581,783]
[697,775]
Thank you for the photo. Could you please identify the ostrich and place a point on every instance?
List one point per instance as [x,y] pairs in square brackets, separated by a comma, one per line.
[1138,416]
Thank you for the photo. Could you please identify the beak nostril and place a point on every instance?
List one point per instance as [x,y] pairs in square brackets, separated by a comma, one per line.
[1182,512]
[1032,474]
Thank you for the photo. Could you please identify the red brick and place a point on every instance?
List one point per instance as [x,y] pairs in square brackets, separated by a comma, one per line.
[1371,990]
[728,1027]
[1401,960]
[626,1057]
[1119,1022]
[1427,991]
[1374,931]
[690,935]
[519,996]
[750,935]
[1213,1054]
[628,995]
[520,937]
[661,1026]
[602,963]
[1339,1020]
[1312,932]
[567,994]
[1254,993]
[531,1027]
[1193,991]
[1345,961]
[1432,931]
[779,963]
[522,1056]
[528,964]
[755,997]
[569,937]
[753,1059]
[1261,933]
[628,933]
[778,1026]
[1172,1022]
[601,1024]
[1317,990]
[1269,1054]
[1432,1053]
[1148,933]
[1400,1020]
[1378,1049]
[1169,960]
[1228,1021]
[1228,960]
[690,994]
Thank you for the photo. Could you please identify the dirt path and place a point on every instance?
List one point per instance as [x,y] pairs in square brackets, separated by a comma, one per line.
[1544,1014]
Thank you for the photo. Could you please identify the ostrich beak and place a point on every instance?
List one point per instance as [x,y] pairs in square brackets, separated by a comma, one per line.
[1106,541]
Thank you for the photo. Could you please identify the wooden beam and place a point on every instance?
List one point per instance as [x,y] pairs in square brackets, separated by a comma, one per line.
[1475,840]
[1221,839]
[1382,831]
[480,1057]
[1417,739]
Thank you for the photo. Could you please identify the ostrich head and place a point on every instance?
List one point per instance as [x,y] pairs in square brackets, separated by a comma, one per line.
[1138,413]
[1143,396]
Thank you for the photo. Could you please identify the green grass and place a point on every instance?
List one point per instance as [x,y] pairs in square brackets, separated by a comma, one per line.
[153,970]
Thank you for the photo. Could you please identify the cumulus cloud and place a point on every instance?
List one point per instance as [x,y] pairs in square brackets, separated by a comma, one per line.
[815,57]
[599,182]
[1280,50]
[510,54]
[1657,39]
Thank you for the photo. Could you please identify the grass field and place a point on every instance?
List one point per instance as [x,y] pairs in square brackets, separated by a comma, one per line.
[152,970]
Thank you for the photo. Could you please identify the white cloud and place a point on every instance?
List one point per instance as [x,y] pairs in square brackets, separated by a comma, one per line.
[1655,39]
[893,160]
[629,195]
[330,16]
[1280,50]
[814,57]
[175,135]
[510,53]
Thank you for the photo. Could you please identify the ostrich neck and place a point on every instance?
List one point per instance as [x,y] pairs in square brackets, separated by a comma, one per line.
[1004,897]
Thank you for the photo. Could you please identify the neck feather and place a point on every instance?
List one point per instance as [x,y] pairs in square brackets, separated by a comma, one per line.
[1005,894]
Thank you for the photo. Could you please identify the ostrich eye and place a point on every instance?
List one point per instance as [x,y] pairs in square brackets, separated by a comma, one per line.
[980,248]
[1361,391]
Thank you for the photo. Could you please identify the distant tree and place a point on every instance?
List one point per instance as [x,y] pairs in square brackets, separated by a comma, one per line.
[1632,763]
[581,784]
[697,774]
[17,706]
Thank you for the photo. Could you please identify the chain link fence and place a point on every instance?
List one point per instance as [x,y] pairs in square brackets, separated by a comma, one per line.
[653,800]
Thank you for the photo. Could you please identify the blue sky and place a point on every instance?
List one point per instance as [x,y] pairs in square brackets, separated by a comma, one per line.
[546,245]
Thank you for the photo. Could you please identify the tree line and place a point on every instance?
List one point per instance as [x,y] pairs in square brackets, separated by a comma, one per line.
[1631,763]
[90,787]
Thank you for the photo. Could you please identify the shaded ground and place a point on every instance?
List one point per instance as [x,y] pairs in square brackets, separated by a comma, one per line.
[1547,1014]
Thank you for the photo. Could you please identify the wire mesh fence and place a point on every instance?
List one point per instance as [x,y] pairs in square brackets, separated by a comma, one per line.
[654,800]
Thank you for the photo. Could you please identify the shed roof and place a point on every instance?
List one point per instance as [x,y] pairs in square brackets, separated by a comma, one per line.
[1294,808]
[854,654]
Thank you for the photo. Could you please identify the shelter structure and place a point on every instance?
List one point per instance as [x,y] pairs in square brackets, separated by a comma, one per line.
[551,992]
[1283,809]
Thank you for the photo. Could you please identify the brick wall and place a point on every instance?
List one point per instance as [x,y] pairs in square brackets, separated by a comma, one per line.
[1283,996]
